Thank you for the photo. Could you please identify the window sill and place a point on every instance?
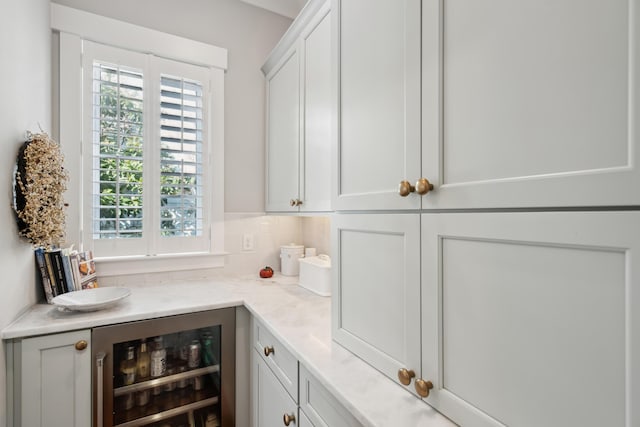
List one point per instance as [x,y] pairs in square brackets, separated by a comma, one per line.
[117,266]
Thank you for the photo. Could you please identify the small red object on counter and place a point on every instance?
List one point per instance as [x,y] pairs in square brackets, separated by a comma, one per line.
[266,272]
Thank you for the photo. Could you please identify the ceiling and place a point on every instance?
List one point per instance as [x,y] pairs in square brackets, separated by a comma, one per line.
[288,8]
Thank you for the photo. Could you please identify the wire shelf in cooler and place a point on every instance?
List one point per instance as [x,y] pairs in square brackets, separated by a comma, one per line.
[170,413]
[120,391]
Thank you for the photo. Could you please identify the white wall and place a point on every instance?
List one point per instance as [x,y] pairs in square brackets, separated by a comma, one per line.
[249,34]
[25,84]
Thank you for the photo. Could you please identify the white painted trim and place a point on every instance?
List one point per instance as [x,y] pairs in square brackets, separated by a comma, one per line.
[216,161]
[289,9]
[70,130]
[89,26]
[289,38]
[122,266]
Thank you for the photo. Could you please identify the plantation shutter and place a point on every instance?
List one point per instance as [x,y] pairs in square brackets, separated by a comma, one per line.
[183,179]
[181,168]
[146,129]
[118,140]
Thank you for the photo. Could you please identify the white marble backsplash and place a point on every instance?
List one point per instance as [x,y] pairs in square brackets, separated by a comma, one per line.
[269,233]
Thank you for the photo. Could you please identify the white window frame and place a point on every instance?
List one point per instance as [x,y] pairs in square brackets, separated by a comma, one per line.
[76,27]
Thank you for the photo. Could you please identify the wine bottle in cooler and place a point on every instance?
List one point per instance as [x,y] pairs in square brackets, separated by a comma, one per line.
[158,362]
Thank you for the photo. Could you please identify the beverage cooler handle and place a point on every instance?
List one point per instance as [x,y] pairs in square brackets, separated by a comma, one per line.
[100,388]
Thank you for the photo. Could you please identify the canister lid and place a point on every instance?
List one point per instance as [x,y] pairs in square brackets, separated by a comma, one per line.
[292,247]
[322,261]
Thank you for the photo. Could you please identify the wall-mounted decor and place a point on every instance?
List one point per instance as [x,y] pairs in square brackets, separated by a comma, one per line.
[39,183]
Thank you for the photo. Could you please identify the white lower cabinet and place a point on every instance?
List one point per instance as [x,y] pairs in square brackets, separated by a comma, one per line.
[319,406]
[279,382]
[272,405]
[527,319]
[49,380]
[376,306]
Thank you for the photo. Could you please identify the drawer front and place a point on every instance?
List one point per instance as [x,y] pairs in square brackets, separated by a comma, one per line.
[283,364]
[320,407]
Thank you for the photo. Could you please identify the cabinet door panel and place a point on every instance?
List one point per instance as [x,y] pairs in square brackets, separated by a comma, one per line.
[379,103]
[536,312]
[304,420]
[531,103]
[56,380]
[376,309]
[315,182]
[270,399]
[283,133]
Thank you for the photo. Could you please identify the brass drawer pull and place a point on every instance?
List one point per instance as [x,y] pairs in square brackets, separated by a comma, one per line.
[423,387]
[423,186]
[288,419]
[405,376]
[81,345]
[268,350]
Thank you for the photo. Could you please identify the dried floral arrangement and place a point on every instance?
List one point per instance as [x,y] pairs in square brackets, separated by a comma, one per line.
[40,181]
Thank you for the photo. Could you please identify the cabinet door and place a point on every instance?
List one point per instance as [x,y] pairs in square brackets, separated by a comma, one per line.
[376,294]
[317,83]
[270,400]
[532,319]
[530,103]
[378,103]
[55,379]
[283,133]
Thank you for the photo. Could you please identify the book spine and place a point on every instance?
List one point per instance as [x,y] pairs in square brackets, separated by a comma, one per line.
[52,275]
[68,277]
[44,275]
[75,269]
[57,259]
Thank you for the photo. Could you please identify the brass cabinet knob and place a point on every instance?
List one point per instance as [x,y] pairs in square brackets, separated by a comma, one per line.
[295,202]
[405,376]
[268,351]
[81,345]
[423,387]
[288,419]
[423,186]
[405,188]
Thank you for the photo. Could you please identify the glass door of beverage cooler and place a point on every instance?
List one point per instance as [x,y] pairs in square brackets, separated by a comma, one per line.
[176,371]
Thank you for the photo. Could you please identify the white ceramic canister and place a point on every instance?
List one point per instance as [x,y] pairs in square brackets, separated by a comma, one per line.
[289,255]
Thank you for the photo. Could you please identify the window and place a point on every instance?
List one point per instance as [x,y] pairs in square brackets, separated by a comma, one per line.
[147,178]
[146,150]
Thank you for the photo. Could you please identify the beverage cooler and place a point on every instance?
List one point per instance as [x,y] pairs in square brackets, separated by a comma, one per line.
[176,371]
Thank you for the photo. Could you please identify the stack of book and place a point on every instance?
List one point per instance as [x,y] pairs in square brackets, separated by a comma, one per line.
[65,270]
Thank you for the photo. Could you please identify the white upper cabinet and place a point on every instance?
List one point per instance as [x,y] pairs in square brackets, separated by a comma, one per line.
[299,90]
[378,102]
[523,104]
[317,86]
[283,123]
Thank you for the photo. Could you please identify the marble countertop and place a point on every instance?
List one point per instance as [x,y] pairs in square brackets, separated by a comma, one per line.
[299,318]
